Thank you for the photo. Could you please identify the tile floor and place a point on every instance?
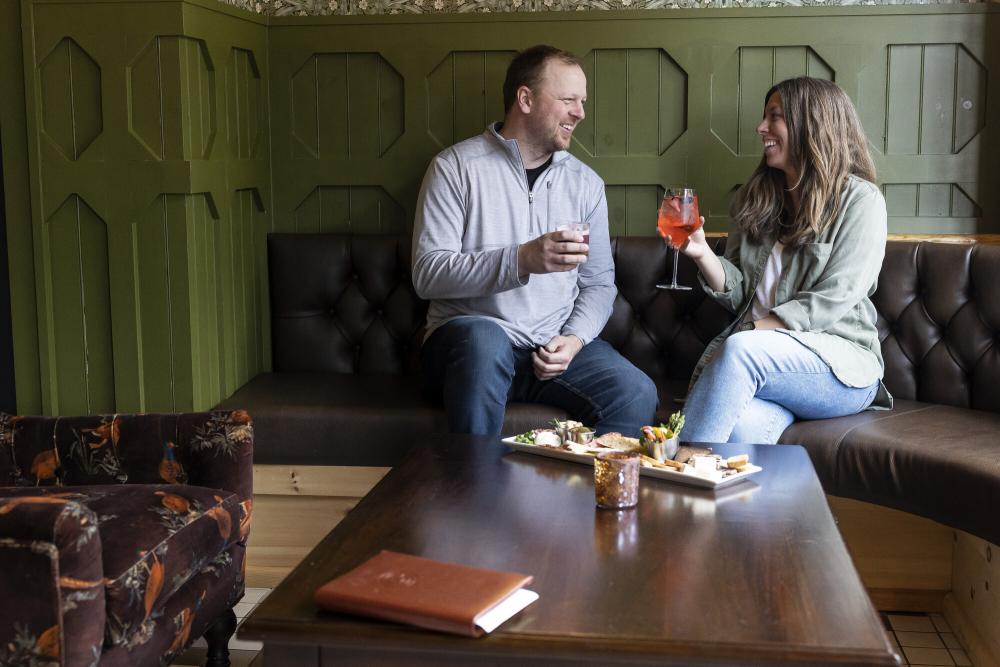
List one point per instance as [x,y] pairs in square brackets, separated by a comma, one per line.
[925,639]
[922,639]
[241,653]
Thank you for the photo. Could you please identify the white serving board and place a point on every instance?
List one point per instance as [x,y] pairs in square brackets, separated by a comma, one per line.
[668,474]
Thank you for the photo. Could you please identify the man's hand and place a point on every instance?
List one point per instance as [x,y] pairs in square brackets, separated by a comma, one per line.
[562,250]
[553,359]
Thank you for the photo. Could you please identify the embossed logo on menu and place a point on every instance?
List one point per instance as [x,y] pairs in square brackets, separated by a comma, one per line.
[400,578]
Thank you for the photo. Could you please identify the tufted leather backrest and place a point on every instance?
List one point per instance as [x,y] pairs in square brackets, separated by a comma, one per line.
[663,332]
[939,323]
[343,303]
[346,304]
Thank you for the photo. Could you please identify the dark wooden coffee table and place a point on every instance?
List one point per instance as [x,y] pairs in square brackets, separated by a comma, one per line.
[753,574]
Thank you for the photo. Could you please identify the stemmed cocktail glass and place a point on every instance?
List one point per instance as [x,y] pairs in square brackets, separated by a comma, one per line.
[677,220]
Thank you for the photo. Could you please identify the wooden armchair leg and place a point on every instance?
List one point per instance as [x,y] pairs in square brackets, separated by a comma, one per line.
[218,636]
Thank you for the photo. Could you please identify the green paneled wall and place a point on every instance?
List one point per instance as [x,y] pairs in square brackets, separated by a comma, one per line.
[674,96]
[167,137]
[75,243]
[147,135]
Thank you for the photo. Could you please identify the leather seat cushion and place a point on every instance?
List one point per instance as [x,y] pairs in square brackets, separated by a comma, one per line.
[823,438]
[325,418]
[934,460]
[364,420]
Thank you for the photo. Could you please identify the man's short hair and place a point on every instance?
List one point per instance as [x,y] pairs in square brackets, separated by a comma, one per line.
[526,69]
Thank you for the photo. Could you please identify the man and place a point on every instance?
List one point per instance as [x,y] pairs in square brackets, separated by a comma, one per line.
[517,299]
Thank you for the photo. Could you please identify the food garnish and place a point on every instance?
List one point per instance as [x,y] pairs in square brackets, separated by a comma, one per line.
[526,438]
[663,432]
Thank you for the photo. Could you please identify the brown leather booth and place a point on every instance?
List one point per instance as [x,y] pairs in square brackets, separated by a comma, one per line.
[346,328]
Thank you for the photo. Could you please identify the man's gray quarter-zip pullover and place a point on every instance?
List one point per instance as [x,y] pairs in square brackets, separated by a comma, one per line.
[473,211]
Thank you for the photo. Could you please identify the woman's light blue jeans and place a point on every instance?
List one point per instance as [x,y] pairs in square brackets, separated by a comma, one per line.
[758,383]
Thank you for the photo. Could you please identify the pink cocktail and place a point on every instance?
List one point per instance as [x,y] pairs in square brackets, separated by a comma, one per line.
[677,219]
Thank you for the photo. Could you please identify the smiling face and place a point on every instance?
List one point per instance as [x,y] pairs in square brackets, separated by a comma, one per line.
[773,131]
[556,106]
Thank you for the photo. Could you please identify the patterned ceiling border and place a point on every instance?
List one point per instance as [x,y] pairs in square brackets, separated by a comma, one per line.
[375,7]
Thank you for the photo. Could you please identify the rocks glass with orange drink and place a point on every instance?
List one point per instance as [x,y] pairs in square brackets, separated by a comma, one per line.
[678,219]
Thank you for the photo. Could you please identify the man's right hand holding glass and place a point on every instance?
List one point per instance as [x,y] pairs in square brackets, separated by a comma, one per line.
[562,250]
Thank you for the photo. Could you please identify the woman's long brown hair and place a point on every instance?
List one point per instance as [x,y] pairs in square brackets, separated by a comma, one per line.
[826,140]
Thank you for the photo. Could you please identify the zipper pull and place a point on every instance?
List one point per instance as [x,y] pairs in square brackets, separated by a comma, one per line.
[531,197]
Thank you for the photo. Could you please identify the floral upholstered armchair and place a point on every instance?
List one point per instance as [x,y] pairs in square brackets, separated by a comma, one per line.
[122,537]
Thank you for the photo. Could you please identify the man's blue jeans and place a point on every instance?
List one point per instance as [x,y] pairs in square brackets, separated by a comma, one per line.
[471,363]
[758,383]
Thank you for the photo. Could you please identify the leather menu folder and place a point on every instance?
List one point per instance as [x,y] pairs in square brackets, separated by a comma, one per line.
[427,593]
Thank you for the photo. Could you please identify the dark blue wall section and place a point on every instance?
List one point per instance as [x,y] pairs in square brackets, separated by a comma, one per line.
[7,400]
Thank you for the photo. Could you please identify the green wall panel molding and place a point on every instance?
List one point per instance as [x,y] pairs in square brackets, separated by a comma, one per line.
[632,209]
[738,92]
[937,99]
[244,239]
[931,208]
[637,103]
[75,253]
[350,209]
[172,98]
[148,137]
[464,93]
[176,329]
[345,105]
[929,200]
[195,129]
[245,104]
[70,98]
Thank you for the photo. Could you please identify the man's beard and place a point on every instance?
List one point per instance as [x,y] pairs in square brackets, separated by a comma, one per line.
[555,143]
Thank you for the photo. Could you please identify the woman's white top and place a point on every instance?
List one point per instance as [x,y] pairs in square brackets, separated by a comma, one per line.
[763,300]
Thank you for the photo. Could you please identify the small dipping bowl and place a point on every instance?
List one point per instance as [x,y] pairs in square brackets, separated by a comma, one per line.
[661,450]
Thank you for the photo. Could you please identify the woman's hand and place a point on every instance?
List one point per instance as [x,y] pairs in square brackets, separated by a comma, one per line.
[769,322]
[696,246]
[708,263]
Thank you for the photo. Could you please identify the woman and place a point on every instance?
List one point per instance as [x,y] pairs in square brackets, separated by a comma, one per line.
[801,263]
